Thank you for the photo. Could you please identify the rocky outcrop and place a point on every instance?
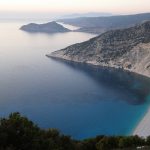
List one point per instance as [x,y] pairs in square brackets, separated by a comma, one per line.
[51,27]
[128,49]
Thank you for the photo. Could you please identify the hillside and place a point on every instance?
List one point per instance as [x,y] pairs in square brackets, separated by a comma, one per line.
[51,27]
[128,49]
[103,24]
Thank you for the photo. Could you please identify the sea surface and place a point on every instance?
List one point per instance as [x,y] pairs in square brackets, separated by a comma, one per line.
[80,100]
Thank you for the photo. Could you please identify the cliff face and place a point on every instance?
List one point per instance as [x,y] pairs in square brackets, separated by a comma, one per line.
[127,48]
[51,27]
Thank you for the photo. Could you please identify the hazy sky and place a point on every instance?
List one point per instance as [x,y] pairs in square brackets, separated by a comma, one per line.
[73,6]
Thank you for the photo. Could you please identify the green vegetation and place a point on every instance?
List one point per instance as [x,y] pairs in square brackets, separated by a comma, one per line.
[19,133]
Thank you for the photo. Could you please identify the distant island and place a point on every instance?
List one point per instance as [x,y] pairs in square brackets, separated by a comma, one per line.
[128,49]
[51,27]
[101,24]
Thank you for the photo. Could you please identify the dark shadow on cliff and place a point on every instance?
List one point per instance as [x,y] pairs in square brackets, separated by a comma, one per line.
[127,84]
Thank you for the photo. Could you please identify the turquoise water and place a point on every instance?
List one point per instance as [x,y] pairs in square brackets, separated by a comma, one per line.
[80,100]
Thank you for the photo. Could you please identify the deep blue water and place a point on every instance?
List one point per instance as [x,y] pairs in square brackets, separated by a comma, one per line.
[80,100]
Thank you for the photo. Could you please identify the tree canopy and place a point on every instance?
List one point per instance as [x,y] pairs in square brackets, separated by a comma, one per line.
[19,133]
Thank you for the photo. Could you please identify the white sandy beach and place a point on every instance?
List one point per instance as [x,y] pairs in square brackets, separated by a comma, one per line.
[143,128]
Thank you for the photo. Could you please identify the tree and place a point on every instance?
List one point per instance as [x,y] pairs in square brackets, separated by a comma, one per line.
[107,143]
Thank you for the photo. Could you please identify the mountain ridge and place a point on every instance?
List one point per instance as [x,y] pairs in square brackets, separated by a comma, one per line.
[102,24]
[89,14]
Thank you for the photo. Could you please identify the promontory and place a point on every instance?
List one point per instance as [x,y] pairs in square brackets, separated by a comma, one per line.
[128,49]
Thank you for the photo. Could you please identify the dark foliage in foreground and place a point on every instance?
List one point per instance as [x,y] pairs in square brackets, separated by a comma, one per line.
[19,133]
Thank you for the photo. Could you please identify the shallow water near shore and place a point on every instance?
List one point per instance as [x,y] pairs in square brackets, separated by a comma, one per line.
[80,100]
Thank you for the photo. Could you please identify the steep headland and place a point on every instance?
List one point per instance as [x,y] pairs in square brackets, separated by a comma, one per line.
[51,27]
[102,24]
[128,49]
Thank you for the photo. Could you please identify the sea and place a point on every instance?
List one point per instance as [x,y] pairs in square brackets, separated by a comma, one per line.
[79,100]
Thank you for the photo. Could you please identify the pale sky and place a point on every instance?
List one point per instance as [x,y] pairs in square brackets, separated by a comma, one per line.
[74,6]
